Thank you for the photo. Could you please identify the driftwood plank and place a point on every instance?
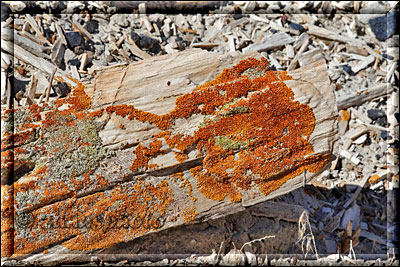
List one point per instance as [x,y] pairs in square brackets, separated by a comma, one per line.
[166,141]
[270,42]
[35,61]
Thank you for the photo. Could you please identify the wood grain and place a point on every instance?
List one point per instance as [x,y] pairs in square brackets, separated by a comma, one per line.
[166,195]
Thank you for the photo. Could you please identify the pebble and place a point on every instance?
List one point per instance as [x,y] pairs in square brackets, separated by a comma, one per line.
[296,26]
[374,114]
[348,69]
[120,19]
[383,27]
[92,26]
[385,135]
[74,38]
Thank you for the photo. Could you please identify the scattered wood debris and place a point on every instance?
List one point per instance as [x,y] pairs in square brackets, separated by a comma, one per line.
[362,59]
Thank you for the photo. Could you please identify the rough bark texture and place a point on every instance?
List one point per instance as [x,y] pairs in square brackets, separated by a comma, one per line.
[166,141]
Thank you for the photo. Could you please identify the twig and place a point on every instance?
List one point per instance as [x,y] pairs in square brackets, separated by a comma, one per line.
[296,58]
[50,84]
[47,91]
[31,92]
[352,254]
[9,98]
[358,191]
[303,223]
[86,35]
[256,240]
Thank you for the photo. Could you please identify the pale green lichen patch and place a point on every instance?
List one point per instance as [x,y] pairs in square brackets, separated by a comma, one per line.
[78,152]
[227,143]
[69,149]
[235,110]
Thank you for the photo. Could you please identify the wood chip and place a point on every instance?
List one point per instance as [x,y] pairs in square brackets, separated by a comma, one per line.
[9,94]
[357,114]
[231,42]
[60,33]
[373,237]
[358,191]
[298,55]
[327,34]
[57,54]
[134,48]
[82,30]
[334,222]
[289,51]
[169,49]
[147,23]
[363,64]
[270,42]
[204,45]
[37,62]
[31,92]
[343,121]
[75,73]
[36,28]
[350,100]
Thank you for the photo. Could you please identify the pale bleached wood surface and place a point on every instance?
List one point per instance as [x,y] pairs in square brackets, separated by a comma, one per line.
[153,85]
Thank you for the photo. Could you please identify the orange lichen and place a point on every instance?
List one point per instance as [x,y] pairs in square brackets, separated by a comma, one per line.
[7,220]
[269,129]
[98,220]
[254,133]
[178,175]
[189,214]
[144,154]
[374,178]
[346,115]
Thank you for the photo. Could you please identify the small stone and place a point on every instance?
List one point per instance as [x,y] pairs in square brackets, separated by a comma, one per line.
[120,19]
[74,38]
[347,69]
[385,135]
[78,50]
[384,27]
[62,89]
[397,116]
[382,122]
[296,26]
[92,26]
[374,114]
[237,16]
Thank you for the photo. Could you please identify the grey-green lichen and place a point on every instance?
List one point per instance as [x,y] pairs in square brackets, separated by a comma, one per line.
[80,152]
[227,143]
[235,110]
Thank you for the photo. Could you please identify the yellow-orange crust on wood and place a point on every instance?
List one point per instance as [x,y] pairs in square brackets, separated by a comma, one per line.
[252,113]
[253,134]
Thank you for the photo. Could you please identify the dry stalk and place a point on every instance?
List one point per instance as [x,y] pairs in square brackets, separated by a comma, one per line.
[256,240]
[306,237]
[352,254]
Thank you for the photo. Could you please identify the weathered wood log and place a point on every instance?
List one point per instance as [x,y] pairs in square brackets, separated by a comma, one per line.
[162,142]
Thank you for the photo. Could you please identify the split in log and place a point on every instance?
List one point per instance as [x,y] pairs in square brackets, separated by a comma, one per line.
[166,141]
